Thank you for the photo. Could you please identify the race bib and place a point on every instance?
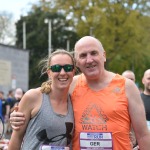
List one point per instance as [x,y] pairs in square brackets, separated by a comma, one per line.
[48,147]
[96,141]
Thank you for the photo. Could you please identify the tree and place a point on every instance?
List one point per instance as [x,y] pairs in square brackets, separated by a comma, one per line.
[37,38]
[123,27]
[6,34]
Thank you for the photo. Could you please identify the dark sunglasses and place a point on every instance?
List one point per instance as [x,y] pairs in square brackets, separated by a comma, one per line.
[57,68]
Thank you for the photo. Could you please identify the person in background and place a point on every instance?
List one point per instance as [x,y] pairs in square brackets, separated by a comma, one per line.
[105,104]
[48,109]
[146,95]
[18,95]
[129,74]
[5,107]
[5,110]
[10,100]
[1,97]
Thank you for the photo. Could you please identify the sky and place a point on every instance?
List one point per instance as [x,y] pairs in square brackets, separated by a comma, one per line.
[16,7]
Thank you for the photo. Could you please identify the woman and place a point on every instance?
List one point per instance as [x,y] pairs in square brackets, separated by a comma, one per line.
[48,111]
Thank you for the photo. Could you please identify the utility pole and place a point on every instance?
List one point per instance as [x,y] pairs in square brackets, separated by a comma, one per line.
[49,35]
[24,35]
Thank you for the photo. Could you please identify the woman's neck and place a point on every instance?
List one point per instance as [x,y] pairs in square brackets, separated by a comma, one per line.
[59,95]
[59,101]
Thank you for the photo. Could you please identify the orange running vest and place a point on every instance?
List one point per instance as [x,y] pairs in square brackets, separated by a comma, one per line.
[103,111]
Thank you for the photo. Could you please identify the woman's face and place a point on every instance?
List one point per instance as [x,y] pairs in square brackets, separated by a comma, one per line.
[61,77]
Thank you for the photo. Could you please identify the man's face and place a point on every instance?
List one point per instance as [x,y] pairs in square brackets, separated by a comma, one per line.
[90,58]
[146,81]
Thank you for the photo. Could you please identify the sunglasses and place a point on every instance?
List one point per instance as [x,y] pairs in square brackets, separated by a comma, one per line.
[57,68]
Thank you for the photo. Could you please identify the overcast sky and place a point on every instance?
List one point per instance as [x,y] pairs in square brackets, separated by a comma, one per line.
[16,7]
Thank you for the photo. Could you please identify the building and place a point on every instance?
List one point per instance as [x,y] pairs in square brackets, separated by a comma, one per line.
[14,68]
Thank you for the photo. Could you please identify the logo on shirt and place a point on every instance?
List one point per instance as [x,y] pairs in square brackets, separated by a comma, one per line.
[93,118]
[117,90]
[43,136]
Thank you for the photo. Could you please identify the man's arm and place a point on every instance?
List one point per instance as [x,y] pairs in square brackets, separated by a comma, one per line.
[137,115]
[17,119]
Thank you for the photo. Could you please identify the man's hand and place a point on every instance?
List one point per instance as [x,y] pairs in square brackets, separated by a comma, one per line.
[17,119]
[136,148]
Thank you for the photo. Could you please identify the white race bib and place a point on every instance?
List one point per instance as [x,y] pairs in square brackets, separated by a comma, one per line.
[48,147]
[96,141]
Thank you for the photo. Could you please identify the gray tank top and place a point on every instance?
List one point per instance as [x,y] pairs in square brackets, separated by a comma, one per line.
[49,128]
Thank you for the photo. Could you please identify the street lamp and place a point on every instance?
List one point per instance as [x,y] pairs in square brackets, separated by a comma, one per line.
[91,31]
[24,35]
[49,34]
[83,18]
[67,41]
[68,45]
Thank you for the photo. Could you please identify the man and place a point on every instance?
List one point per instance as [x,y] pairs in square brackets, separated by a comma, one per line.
[5,107]
[4,110]
[18,95]
[129,74]
[146,95]
[104,103]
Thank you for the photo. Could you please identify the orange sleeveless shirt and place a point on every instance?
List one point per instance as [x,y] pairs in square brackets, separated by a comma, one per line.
[103,111]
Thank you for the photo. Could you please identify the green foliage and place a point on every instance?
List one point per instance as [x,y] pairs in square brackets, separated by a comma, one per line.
[37,39]
[123,27]
[6,34]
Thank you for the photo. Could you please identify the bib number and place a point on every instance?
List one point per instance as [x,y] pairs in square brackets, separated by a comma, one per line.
[96,141]
[48,147]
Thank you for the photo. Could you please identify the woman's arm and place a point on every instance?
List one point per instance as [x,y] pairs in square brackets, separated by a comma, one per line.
[28,105]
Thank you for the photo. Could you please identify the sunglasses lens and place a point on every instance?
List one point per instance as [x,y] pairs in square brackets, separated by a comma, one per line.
[57,68]
[68,68]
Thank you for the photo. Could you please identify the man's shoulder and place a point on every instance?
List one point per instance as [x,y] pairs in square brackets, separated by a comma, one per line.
[73,84]
[76,77]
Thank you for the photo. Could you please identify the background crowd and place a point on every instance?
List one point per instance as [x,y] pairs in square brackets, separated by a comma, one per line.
[7,104]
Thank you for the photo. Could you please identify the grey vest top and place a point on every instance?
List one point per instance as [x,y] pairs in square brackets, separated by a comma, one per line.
[49,128]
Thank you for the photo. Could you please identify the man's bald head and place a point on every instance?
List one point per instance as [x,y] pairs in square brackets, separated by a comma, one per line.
[146,82]
[147,72]
[86,41]
[129,74]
